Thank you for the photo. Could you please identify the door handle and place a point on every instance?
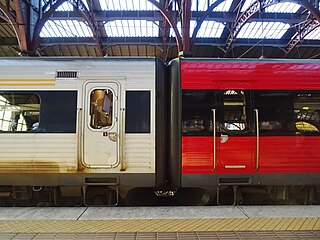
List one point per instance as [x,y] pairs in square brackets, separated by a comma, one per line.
[224,138]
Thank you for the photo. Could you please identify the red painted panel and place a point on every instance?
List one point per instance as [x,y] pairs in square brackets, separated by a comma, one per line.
[259,75]
[236,155]
[197,154]
[289,154]
[280,154]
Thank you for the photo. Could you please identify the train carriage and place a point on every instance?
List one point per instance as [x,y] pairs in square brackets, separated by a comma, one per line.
[73,127]
[243,123]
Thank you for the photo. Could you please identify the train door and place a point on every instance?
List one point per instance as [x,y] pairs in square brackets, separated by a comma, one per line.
[101,125]
[235,143]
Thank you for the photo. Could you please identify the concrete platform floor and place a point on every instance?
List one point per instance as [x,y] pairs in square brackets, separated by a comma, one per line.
[212,222]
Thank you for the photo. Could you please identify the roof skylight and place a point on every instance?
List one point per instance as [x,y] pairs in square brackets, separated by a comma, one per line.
[247,4]
[66,6]
[65,28]
[116,5]
[204,4]
[286,7]
[269,30]
[208,29]
[314,35]
[132,28]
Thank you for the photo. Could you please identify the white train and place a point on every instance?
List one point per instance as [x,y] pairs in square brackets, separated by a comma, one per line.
[80,128]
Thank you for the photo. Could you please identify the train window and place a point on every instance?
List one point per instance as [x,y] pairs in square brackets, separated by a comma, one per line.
[101,106]
[307,113]
[197,108]
[234,109]
[39,111]
[137,112]
[19,112]
[276,112]
[58,111]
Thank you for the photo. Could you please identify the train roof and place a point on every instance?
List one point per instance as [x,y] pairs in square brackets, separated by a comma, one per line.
[262,60]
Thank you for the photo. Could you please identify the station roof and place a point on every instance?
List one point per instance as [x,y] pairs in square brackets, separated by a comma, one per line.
[162,28]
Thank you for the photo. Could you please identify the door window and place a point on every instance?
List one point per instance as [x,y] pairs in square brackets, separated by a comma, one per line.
[234,111]
[101,108]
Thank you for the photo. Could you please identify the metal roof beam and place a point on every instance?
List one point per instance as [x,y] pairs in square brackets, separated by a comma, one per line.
[101,16]
[258,6]
[158,41]
[307,27]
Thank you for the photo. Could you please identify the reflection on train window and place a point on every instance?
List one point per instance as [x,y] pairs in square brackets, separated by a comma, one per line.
[307,112]
[234,109]
[22,112]
[19,112]
[197,108]
[275,112]
[101,105]
[288,112]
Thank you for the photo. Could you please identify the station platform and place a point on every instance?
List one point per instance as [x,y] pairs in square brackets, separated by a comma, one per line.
[210,222]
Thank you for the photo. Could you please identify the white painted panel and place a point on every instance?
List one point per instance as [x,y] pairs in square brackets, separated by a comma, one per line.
[139,153]
[41,151]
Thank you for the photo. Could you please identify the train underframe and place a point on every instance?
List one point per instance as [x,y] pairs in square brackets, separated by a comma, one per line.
[92,190]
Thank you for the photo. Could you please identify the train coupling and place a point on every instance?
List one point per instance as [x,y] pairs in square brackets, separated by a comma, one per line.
[165,193]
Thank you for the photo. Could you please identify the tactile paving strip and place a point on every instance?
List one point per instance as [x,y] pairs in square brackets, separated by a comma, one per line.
[162,225]
[230,235]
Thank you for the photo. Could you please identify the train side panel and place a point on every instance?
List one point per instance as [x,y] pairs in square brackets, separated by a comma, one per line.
[48,121]
[248,122]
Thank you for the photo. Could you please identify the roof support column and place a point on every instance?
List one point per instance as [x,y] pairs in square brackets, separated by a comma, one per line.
[22,19]
[185,24]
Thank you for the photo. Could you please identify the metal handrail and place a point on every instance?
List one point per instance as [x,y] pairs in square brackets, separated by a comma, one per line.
[214,138]
[257,138]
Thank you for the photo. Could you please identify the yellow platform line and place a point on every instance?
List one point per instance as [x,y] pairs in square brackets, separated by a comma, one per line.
[163,225]
[27,84]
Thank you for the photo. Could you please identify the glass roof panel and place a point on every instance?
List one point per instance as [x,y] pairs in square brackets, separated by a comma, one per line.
[314,35]
[286,7]
[211,29]
[66,6]
[204,4]
[208,29]
[132,28]
[247,4]
[224,6]
[65,28]
[259,30]
[116,5]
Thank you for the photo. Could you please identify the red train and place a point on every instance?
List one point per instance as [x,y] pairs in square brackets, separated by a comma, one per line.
[243,123]
[196,131]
